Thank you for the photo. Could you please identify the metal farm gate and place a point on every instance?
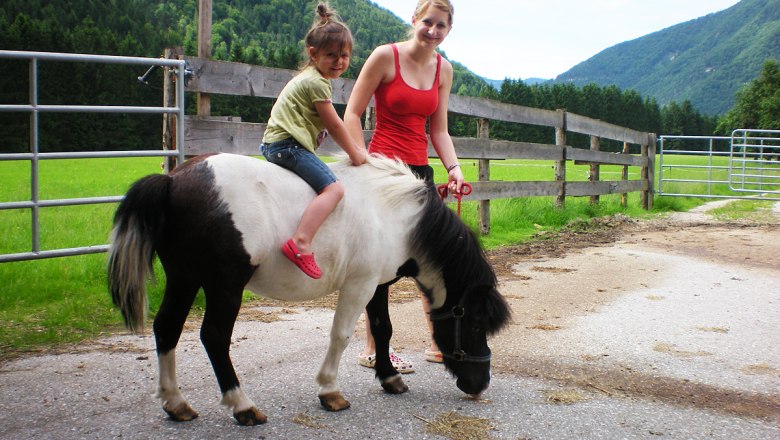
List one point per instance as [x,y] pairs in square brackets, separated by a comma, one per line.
[34,156]
[744,165]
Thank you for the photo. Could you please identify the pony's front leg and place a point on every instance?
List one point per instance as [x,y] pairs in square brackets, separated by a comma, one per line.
[347,314]
[378,316]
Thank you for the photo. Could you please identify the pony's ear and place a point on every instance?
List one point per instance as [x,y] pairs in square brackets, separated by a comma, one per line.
[491,307]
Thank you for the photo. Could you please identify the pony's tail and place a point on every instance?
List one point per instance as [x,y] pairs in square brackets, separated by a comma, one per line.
[138,224]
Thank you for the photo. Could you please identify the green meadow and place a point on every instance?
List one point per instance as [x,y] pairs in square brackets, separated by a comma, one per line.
[56,301]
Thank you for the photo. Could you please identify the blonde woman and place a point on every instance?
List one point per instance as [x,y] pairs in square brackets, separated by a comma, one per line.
[411,85]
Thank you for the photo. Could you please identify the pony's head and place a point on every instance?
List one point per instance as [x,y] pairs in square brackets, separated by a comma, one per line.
[472,309]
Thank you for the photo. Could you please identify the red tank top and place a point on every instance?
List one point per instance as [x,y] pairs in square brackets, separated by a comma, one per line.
[401,114]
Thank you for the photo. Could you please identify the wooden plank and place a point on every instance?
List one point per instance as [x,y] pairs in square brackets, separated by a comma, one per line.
[505,190]
[231,136]
[226,78]
[206,135]
[603,187]
[211,134]
[485,108]
[473,148]
[581,156]
[583,124]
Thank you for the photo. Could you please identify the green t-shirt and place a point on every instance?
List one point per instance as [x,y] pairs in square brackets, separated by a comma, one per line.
[294,115]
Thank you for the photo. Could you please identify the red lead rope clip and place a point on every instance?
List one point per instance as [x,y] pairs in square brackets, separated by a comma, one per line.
[465,190]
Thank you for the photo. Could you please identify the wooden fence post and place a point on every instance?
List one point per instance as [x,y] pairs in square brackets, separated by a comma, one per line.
[560,164]
[370,123]
[169,120]
[483,132]
[648,172]
[624,176]
[595,169]
[204,50]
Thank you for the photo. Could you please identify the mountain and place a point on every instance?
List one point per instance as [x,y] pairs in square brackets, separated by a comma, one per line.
[705,61]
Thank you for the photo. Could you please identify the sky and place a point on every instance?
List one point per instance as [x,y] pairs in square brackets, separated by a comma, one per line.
[521,39]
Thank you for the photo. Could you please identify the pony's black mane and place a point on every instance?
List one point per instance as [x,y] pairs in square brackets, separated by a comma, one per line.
[445,242]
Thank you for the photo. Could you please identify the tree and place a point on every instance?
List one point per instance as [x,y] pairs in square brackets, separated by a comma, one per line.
[758,103]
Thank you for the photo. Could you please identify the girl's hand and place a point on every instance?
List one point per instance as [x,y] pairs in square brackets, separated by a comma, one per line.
[359,157]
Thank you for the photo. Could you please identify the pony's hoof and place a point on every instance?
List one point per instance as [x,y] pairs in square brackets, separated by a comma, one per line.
[182,413]
[334,401]
[250,417]
[395,385]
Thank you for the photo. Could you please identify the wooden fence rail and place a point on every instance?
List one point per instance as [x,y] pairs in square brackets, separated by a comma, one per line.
[207,134]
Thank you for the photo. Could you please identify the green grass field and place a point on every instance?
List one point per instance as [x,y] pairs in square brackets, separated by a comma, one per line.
[61,300]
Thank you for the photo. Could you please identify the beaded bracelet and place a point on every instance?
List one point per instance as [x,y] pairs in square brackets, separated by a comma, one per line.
[452,167]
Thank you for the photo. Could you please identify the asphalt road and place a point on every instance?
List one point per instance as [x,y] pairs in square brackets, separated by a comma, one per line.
[107,391]
[701,319]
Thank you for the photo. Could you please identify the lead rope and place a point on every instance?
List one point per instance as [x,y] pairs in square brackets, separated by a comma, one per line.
[465,190]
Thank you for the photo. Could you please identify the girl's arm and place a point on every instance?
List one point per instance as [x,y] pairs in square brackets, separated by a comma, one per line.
[371,76]
[439,131]
[338,131]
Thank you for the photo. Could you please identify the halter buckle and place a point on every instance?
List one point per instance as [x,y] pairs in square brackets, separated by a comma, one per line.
[458,311]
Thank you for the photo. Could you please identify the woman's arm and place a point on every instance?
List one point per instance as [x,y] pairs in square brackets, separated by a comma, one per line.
[374,72]
[338,131]
[439,131]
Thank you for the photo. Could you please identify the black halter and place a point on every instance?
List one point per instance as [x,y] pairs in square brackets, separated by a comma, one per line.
[457,313]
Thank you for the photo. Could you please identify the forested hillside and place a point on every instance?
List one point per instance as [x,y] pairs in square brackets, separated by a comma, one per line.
[262,32]
[705,61]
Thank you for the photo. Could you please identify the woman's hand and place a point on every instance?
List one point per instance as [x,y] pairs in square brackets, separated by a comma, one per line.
[455,180]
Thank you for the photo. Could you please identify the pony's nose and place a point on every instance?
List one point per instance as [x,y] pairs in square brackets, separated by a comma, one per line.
[473,387]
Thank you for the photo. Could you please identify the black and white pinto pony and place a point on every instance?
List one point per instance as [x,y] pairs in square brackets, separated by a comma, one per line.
[217,223]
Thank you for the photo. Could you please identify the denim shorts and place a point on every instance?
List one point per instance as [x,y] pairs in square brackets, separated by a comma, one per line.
[289,154]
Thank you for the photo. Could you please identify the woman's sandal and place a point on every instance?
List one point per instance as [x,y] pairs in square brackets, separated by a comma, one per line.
[403,366]
[304,261]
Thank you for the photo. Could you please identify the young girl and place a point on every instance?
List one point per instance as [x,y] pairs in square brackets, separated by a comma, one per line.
[301,118]
[411,84]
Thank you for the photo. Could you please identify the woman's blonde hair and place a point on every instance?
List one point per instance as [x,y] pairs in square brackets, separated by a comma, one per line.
[327,30]
[442,5]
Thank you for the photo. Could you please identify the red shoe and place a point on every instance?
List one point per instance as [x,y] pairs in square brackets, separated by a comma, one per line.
[305,262]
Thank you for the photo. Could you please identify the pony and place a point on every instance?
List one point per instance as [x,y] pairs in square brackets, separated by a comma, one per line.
[217,223]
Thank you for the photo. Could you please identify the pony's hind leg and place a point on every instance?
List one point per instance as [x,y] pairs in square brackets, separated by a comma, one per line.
[168,325]
[222,306]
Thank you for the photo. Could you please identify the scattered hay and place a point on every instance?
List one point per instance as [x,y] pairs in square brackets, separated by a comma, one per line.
[308,421]
[257,315]
[564,397]
[459,427]
[547,327]
[552,269]
[713,329]
[674,351]
[761,370]
[655,297]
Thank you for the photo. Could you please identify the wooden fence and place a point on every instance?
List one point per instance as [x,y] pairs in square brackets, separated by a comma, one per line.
[205,134]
